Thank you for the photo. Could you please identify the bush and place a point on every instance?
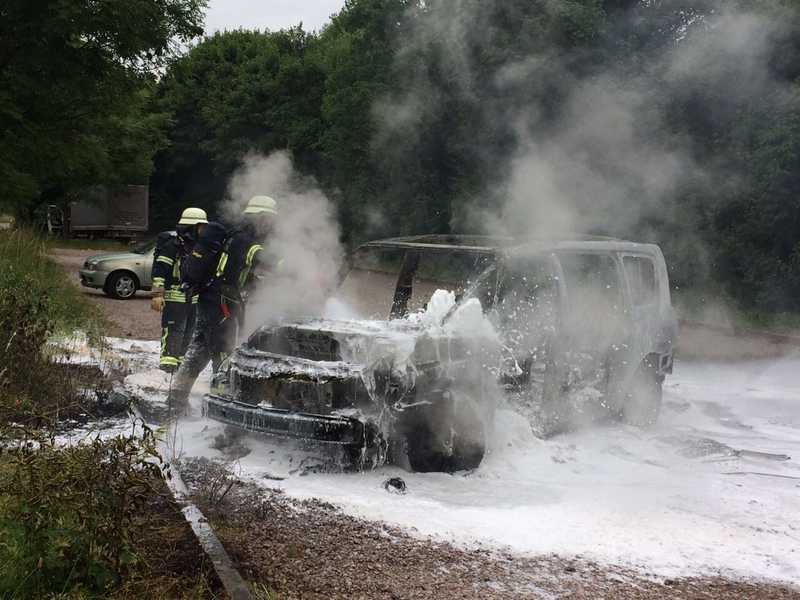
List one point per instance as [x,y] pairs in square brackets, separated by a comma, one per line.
[37,301]
[67,513]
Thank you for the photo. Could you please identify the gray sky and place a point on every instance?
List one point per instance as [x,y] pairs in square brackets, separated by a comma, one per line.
[270,14]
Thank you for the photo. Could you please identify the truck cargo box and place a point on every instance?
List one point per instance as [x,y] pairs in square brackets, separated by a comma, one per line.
[111,211]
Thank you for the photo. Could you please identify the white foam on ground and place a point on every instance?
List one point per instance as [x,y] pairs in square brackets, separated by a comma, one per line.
[672,500]
[618,494]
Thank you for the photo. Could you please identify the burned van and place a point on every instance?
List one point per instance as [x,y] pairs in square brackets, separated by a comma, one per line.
[442,328]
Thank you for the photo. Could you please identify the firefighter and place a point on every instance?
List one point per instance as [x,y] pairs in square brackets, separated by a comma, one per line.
[176,307]
[223,291]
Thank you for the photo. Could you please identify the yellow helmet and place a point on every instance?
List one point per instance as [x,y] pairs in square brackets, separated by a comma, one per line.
[261,204]
[193,216]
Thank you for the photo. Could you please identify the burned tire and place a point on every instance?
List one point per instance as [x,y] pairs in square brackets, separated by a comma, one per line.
[643,398]
[121,285]
[448,440]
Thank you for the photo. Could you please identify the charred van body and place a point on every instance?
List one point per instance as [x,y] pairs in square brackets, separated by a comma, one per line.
[584,330]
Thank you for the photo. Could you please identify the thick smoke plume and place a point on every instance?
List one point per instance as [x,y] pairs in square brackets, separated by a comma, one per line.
[593,149]
[303,252]
[567,150]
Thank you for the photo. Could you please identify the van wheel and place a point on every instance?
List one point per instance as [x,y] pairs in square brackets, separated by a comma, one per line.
[643,399]
[453,439]
[121,285]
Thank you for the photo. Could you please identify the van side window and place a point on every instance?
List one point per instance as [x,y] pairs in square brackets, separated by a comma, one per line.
[527,305]
[591,279]
[594,306]
[641,274]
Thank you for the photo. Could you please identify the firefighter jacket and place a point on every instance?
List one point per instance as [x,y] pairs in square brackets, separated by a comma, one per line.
[237,263]
[167,267]
[199,266]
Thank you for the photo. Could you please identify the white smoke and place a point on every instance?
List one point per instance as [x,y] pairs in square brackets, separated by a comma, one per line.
[303,251]
[608,160]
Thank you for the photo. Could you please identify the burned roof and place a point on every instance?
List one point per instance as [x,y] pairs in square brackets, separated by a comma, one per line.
[486,243]
[447,241]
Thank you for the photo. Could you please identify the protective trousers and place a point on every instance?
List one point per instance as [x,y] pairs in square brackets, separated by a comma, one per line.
[213,340]
[177,326]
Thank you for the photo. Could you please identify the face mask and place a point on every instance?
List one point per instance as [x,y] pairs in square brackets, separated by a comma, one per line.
[264,225]
[186,234]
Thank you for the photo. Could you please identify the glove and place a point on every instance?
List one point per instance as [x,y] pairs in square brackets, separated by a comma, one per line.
[157,302]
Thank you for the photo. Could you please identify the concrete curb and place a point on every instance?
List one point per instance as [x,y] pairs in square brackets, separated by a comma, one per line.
[231,580]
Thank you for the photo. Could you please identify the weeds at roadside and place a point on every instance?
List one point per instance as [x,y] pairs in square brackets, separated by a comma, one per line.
[68,512]
[76,521]
[216,486]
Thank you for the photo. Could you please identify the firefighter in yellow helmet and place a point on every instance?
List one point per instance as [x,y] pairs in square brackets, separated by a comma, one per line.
[223,290]
[177,308]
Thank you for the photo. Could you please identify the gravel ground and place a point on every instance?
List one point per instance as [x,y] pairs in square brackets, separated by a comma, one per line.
[128,318]
[311,550]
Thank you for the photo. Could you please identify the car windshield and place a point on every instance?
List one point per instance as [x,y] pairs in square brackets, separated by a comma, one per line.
[144,247]
[368,288]
[388,282]
[482,288]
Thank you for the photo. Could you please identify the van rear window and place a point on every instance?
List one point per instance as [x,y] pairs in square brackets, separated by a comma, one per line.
[593,298]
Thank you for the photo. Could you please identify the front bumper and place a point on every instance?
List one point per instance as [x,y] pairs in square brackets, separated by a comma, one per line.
[328,429]
[92,279]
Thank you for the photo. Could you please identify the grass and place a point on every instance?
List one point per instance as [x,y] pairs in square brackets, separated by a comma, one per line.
[37,280]
[165,560]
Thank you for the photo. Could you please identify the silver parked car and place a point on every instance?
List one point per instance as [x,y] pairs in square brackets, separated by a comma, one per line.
[120,274]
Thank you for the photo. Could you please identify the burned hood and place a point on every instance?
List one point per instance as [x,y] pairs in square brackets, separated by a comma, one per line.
[332,341]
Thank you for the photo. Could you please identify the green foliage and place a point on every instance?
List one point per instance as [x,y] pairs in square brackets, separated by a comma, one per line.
[74,86]
[234,93]
[67,514]
[36,302]
[33,284]
[410,115]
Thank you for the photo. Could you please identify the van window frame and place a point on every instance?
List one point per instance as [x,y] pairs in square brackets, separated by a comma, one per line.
[624,297]
[656,295]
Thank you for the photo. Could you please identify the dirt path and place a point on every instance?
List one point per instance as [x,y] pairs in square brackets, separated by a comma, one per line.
[129,318]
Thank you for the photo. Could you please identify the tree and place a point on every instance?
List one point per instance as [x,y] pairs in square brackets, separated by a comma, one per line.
[234,93]
[75,77]
[411,113]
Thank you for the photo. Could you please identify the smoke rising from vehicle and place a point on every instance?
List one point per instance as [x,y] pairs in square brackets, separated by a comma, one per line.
[595,150]
[303,253]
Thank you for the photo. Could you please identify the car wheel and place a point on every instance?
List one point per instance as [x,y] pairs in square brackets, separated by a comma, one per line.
[121,285]
[643,398]
[452,440]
